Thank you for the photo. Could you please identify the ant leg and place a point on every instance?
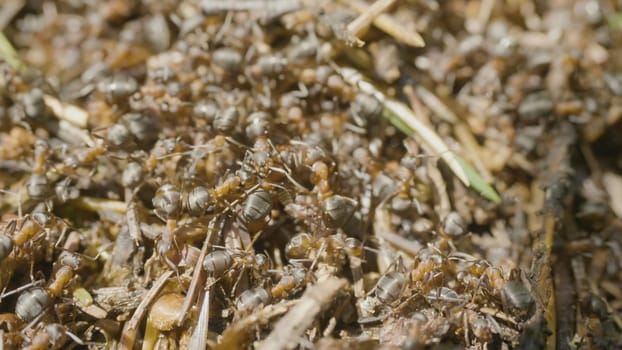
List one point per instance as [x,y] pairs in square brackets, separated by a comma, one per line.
[173,267]
[243,273]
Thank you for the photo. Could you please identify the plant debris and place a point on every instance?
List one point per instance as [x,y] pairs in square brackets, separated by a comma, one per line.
[283,174]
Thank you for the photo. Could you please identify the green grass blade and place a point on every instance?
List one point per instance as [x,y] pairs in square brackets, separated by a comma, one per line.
[615,21]
[397,122]
[435,144]
[8,53]
[478,183]
[403,118]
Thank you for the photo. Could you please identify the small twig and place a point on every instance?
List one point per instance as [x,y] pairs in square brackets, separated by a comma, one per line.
[128,335]
[266,8]
[483,16]
[416,104]
[99,204]
[66,111]
[472,148]
[70,133]
[558,193]
[19,289]
[133,224]
[10,166]
[612,183]
[357,275]
[388,25]
[290,328]
[198,340]
[198,275]
[383,231]
[435,104]
[444,206]
[9,10]
[290,178]
[236,335]
[407,246]
[366,17]
[498,314]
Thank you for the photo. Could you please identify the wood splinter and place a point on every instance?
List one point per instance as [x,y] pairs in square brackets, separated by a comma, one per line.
[288,330]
